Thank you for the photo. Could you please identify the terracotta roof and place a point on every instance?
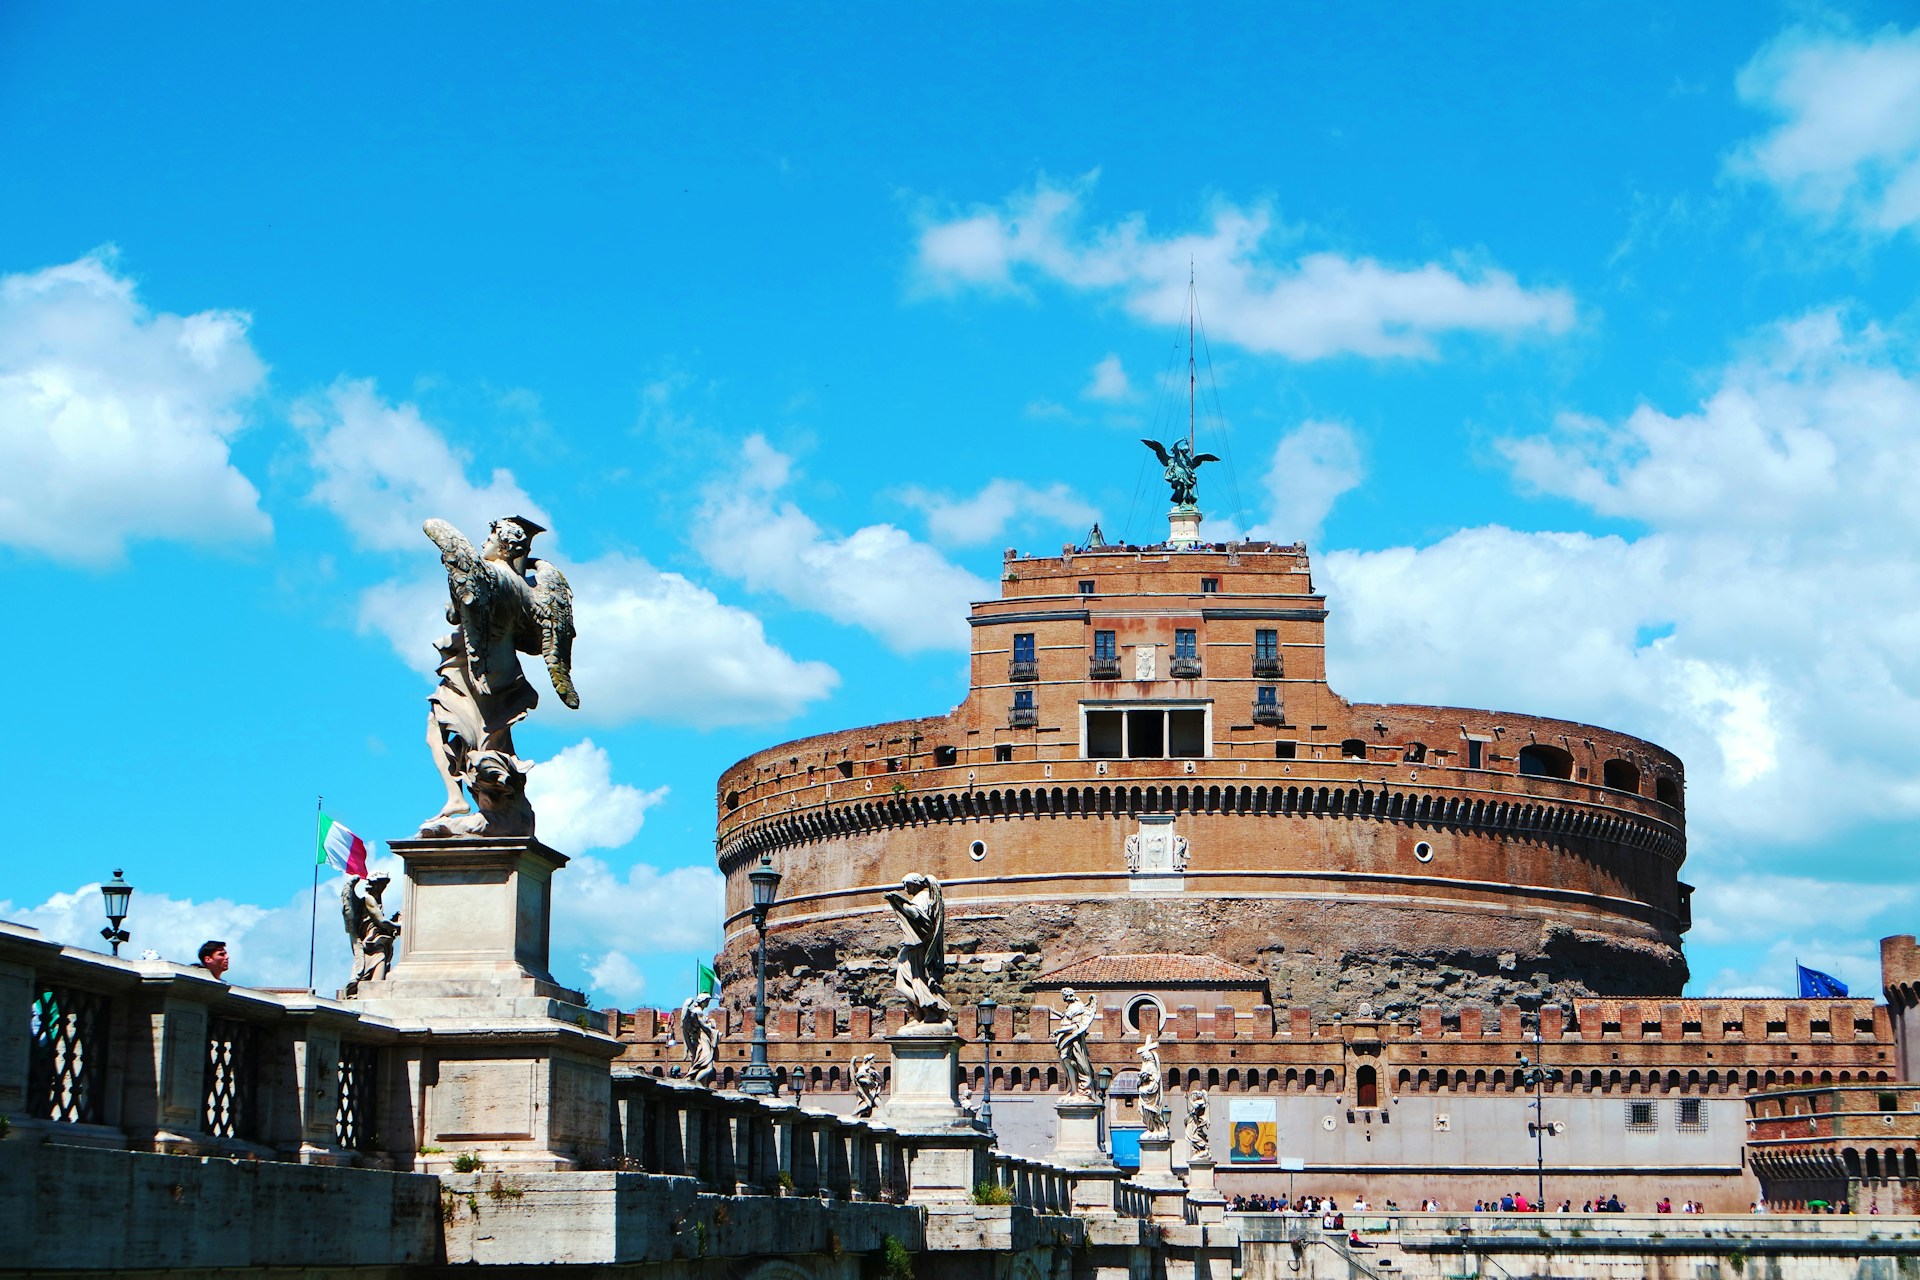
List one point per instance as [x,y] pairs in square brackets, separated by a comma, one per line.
[1149,971]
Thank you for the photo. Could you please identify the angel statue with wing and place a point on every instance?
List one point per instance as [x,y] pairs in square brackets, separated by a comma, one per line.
[1181,468]
[502,603]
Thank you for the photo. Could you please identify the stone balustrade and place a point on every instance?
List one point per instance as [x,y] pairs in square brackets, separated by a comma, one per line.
[154,1056]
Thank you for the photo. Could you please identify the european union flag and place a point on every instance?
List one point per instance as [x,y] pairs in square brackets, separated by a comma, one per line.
[1815,983]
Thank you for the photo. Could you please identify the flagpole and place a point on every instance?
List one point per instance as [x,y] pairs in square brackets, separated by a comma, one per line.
[313,905]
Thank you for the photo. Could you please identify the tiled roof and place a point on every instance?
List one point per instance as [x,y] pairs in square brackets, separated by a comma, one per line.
[1158,969]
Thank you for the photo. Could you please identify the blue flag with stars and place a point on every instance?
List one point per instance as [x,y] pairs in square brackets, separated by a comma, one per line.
[1815,983]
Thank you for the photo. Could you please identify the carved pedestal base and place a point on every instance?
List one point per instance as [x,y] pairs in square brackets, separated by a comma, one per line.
[1201,1191]
[1077,1146]
[949,1152]
[513,1070]
[1183,527]
[1156,1176]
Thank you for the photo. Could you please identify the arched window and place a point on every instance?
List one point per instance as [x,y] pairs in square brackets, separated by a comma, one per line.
[1667,790]
[1620,775]
[1366,1089]
[1539,760]
[1353,749]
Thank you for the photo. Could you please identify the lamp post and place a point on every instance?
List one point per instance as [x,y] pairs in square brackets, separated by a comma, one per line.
[1534,1074]
[758,1077]
[983,1018]
[116,893]
[1103,1081]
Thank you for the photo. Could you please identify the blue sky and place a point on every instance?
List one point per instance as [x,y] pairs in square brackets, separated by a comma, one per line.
[1580,343]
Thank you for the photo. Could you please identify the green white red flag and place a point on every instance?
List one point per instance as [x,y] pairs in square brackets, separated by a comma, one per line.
[341,849]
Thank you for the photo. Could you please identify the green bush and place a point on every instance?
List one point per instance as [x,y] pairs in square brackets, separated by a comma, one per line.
[467,1162]
[992,1193]
[899,1261]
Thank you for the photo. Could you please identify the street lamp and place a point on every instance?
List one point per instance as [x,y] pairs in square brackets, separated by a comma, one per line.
[1532,1073]
[117,893]
[983,1016]
[758,1077]
[1103,1081]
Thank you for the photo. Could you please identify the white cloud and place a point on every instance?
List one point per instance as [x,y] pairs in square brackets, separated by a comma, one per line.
[1315,306]
[1771,973]
[602,920]
[268,944]
[1848,144]
[118,421]
[652,646]
[578,804]
[1751,908]
[878,577]
[384,471]
[1765,624]
[1313,465]
[606,920]
[983,517]
[1109,381]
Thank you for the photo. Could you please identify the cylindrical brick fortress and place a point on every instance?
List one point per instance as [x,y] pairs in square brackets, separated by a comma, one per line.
[1150,760]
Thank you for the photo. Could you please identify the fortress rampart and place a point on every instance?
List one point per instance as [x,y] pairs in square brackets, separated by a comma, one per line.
[1176,701]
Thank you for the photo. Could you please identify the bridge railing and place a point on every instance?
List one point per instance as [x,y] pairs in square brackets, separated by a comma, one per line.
[154,1056]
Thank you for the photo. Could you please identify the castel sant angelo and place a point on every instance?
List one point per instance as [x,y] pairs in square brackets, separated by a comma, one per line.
[1150,761]
[1416,950]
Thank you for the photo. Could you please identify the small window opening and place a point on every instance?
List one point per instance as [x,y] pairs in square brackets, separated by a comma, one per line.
[1538,760]
[1620,775]
[1778,1028]
[1474,746]
[1353,749]
[1889,1102]
[1002,752]
[1209,585]
[1086,586]
[1639,1115]
[944,756]
[1366,1087]
[1415,752]
[1820,1027]
[1690,1029]
[845,767]
[1185,643]
[733,799]
[1022,701]
[1666,791]
[1286,751]
[1693,1113]
[1103,646]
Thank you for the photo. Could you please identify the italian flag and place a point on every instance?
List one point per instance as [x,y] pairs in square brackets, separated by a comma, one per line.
[341,849]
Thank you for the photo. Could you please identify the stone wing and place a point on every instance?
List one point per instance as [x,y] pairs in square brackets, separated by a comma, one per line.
[1159,450]
[553,606]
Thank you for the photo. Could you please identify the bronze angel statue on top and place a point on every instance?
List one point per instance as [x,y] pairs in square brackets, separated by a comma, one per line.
[502,602]
[1181,467]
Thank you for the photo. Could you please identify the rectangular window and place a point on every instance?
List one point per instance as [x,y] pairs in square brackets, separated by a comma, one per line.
[1286,751]
[1692,1115]
[1023,699]
[1266,695]
[1187,734]
[1003,753]
[1104,735]
[1640,1116]
[1185,643]
[1086,586]
[1889,1102]
[1023,646]
[1209,585]
[1146,734]
[1266,645]
[1474,748]
[1103,648]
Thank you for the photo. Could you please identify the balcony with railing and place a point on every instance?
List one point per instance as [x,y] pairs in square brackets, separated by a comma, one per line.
[1019,671]
[1184,668]
[1099,668]
[1023,717]
[1269,713]
[1266,669]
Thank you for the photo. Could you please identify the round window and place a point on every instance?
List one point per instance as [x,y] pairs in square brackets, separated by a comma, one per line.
[1423,851]
[977,850]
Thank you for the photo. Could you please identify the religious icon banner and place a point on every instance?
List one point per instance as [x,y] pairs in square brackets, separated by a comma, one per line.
[1253,1132]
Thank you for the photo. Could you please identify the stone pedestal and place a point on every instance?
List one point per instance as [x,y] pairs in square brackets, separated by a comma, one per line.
[1077,1146]
[1156,1178]
[1183,527]
[1201,1191]
[513,1070]
[475,926]
[947,1151]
